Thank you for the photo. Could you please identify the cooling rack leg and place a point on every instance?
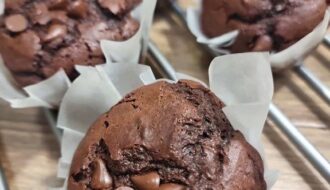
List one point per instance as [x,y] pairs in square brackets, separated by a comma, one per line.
[313,82]
[305,147]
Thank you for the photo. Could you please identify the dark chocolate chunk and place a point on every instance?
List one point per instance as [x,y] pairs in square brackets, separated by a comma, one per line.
[16,23]
[78,8]
[149,181]
[55,31]
[59,4]
[40,14]
[119,7]
[101,179]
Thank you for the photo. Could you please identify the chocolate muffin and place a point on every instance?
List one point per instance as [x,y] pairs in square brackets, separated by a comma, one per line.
[166,137]
[263,24]
[41,36]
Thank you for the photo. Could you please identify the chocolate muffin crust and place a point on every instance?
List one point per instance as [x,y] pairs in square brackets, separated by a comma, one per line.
[38,37]
[166,137]
[264,25]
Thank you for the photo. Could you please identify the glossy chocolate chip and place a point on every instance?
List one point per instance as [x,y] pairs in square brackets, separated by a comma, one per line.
[58,16]
[279,7]
[124,188]
[59,4]
[16,23]
[41,14]
[101,179]
[172,186]
[113,6]
[149,181]
[78,9]
[55,31]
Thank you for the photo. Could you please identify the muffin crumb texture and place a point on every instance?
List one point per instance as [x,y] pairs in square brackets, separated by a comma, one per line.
[263,24]
[166,136]
[38,37]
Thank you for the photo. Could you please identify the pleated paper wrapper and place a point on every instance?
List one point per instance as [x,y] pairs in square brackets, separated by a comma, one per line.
[49,93]
[279,60]
[245,87]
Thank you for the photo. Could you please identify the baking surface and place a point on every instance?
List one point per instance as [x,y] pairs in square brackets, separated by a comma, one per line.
[29,150]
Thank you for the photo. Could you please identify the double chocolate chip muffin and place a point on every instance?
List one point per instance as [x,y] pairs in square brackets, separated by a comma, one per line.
[166,136]
[38,37]
[263,24]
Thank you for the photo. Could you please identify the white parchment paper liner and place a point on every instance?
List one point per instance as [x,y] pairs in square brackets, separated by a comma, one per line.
[49,93]
[2,6]
[245,87]
[278,60]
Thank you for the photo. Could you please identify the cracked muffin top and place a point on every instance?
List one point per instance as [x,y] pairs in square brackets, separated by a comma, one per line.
[166,136]
[38,37]
[264,25]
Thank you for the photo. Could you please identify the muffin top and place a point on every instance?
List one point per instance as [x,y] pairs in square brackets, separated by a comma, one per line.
[166,137]
[263,24]
[41,36]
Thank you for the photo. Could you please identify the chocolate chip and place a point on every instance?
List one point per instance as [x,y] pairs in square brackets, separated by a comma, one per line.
[78,9]
[106,124]
[59,4]
[124,188]
[16,23]
[40,14]
[58,16]
[113,6]
[55,31]
[101,179]
[279,7]
[149,181]
[171,186]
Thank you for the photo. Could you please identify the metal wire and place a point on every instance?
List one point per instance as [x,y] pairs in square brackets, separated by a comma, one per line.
[166,68]
[304,146]
[327,40]
[313,82]
[3,180]
[178,10]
